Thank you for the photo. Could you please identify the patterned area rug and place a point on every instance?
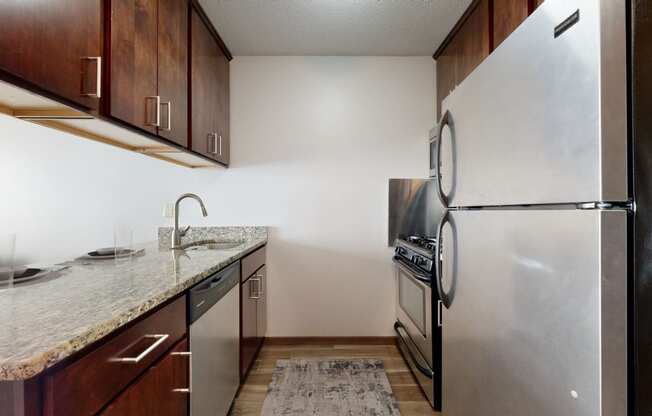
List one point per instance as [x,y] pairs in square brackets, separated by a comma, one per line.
[330,388]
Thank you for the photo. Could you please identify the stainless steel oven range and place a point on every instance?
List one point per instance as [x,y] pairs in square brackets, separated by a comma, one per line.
[418,313]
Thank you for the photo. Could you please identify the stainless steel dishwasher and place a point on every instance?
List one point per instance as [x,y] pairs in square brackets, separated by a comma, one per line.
[214,314]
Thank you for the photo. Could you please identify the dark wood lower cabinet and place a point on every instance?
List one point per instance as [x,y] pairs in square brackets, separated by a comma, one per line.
[162,391]
[87,384]
[253,308]
[249,341]
[261,308]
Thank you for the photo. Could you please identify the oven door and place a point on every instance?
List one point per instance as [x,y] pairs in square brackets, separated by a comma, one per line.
[413,328]
[414,307]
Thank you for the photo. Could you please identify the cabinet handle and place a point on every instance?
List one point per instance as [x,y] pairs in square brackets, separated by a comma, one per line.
[261,291]
[211,143]
[189,355]
[220,145]
[98,76]
[134,360]
[157,123]
[251,281]
[168,104]
[181,390]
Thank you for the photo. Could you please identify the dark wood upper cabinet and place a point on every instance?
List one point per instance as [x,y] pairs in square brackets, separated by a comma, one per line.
[149,66]
[134,63]
[535,4]
[474,40]
[55,45]
[223,125]
[173,69]
[209,81]
[508,14]
[468,45]
[162,391]
[446,67]
[482,28]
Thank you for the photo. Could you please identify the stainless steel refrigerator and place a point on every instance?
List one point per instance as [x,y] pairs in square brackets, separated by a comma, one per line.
[534,167]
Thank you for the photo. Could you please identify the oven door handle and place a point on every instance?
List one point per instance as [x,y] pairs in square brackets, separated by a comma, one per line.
[407,268]
[423,369]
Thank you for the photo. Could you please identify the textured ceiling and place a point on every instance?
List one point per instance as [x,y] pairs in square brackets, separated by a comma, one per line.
[334,27]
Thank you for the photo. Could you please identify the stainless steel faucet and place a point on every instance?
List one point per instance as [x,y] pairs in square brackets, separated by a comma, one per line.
[177,233]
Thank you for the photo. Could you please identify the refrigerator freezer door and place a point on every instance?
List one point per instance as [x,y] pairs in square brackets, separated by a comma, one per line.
[537,323]
[543,118]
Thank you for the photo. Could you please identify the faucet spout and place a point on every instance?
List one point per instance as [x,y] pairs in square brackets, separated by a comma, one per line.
[178,233]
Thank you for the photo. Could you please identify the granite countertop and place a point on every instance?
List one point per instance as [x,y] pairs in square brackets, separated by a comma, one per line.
[46,321]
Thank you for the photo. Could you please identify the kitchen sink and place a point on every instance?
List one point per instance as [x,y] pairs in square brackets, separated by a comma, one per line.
[212,245]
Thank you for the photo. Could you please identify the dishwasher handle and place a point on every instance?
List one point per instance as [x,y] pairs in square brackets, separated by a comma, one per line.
[208,292]
[204,287]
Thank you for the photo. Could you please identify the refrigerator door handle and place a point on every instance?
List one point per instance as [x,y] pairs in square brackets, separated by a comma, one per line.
[445,299]
[445,121]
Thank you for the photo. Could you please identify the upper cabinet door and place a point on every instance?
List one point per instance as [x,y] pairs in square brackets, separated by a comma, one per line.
[223,114]
[173,69]
[134,67]
[475,41]
[56,45]
[209,81]
[508,14]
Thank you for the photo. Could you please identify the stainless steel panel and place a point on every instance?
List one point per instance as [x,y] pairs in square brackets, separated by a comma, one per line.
[613,297]
[215,345]
[413,208]
[543,119]
[537,320]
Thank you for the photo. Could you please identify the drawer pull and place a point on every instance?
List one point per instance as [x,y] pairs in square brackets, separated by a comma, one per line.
[159,340]
[98,77]
[181,390]
[261,292]
[168,104]
[157,114]
[189,355]
[254,294]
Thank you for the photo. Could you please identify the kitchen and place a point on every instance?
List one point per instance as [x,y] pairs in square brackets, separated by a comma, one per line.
[283,133]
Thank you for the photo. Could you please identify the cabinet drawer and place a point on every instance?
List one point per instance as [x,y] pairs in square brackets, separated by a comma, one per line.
[253,262]
[86,385]
[162,391]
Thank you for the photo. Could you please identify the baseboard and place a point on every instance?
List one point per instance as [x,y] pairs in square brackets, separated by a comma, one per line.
[330,340]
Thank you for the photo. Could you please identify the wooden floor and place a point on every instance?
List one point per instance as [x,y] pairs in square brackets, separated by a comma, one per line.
[411,400]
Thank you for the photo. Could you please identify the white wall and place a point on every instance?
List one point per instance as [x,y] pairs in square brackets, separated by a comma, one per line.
[315,140]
